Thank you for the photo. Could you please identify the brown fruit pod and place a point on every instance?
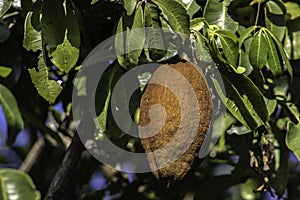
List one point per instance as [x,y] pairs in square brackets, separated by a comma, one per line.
[175,115]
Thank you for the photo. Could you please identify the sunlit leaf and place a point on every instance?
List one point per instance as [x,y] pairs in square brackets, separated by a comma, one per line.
[5,71]
[215,12]
[129,6]
[48,89]
[258,53]
[11,112]
[176,15]
[197,24]
[17,185]
[293,138]
[229,46]
[4,6]
[293,9]
[32,33]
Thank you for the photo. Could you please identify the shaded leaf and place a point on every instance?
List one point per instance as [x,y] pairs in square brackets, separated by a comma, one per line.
[130,38]
[4,32]
[275,21]
[60,34]
[48,89]
[12,114]
[258,50]
[215,12]
[274,63]
[176,15]
[293,138]
[17,185]
[102,98]
[282,52]
[155,42]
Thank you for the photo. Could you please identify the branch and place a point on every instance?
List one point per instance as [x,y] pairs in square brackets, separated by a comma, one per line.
[33,155]
[66,169]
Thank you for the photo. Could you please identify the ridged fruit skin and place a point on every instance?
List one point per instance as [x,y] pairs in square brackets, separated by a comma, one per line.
[170,119]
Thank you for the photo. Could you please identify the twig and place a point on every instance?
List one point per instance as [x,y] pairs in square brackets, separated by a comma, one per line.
[33,155]
[66,169]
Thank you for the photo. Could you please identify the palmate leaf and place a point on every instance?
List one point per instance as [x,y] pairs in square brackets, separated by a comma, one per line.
[258,50]
[282,52]
[12,114]
[293,138]
[215,12]
[274,63]
[244,100]
[48,89]
[15,184]
[176,15]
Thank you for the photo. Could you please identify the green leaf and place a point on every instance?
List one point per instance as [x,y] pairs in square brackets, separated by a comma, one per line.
[197,24]
[275,19]
[154,34]
[271,105]
[12,113]
[103,94]
[215,12]
[5,71]
[274,63]
[191,7]
[48,89]
[292,43]
[293,138]
[282,52]
[4,6]
[229,46]
[52,23]
[244,100]
[129,6]
[32,33]
[60,33]
[202,52]
[292,112]
[258,50]
[17,185]
[293,9]
[246,34]
[130,38]
[176,15]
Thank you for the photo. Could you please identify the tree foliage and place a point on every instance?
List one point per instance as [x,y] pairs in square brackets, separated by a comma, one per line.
[254,44]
